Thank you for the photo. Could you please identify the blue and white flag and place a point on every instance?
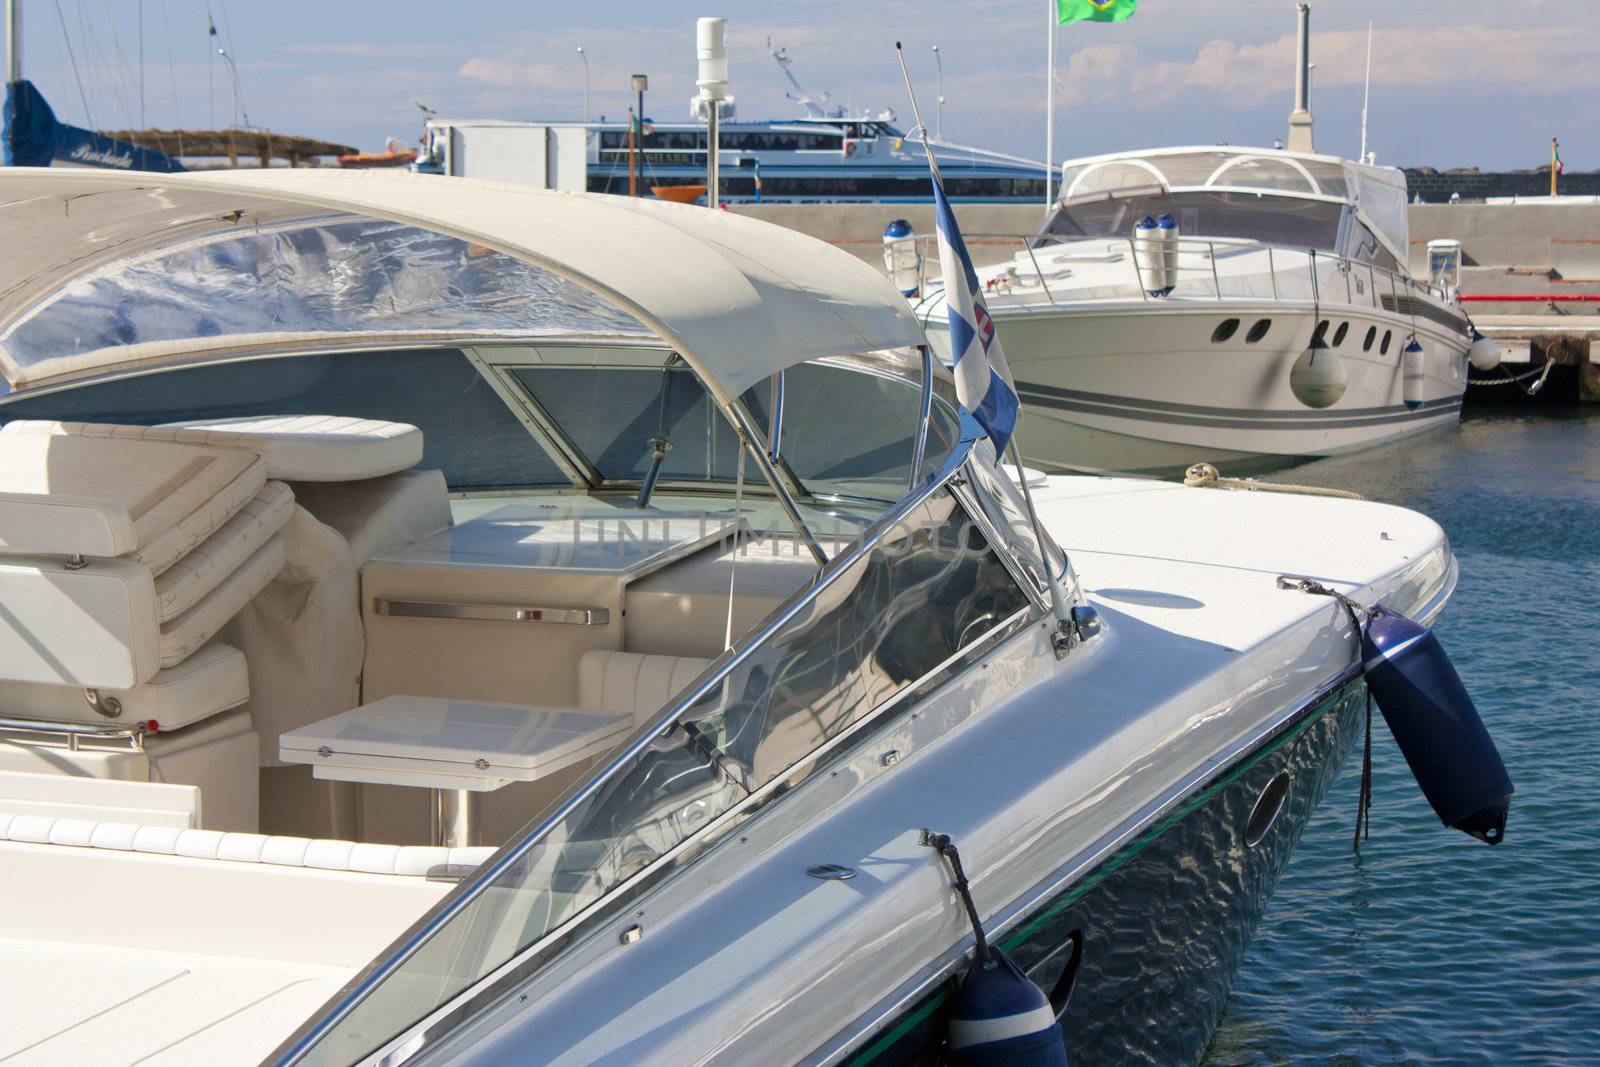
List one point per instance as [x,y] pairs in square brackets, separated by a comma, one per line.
[983,380]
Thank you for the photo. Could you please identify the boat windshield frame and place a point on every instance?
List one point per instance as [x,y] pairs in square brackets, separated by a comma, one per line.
[957,476]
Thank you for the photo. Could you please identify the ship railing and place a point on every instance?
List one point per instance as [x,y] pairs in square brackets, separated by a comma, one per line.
[1197,268]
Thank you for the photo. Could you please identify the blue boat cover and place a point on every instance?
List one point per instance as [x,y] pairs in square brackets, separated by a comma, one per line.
[34,138]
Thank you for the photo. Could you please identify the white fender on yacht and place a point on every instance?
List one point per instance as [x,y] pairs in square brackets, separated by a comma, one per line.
[1318,378]
[900,256]
[1484,353]
[1413,373]
[1150,259]
[1167,233]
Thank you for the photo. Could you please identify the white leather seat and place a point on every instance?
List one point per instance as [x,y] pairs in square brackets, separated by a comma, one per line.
[206,683]
[633,682]
[147,501]
[188,581]
[295,448]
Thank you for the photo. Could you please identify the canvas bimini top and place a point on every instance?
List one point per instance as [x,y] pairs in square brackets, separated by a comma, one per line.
[109,271]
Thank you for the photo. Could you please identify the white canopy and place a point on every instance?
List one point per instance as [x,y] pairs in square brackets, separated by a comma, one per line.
[739,299]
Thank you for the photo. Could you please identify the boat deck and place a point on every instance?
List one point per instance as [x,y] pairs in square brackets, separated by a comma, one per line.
[65,1003]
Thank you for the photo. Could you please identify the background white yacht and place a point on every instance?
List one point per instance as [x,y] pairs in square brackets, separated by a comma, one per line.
[1241,306]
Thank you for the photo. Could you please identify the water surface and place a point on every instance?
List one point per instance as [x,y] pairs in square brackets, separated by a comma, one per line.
[1430,947]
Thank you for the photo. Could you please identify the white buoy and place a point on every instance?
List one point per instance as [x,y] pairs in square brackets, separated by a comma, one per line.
[1413,373]
[1318,378]
[1484,353]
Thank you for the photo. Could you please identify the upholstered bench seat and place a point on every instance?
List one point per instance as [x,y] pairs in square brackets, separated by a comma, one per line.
[295,448]
[188,581]
[208,682]
[146,501]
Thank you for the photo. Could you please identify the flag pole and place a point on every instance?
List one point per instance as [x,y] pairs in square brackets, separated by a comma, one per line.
[1553,156]
[1050,107]
[1063,636]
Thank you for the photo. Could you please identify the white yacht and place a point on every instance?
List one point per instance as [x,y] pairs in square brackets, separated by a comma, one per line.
[1245,307]
[442,622]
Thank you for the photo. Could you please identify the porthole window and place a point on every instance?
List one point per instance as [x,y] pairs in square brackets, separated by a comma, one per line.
[1383,349]
[1258,331]
[1265,813]
[1225,329]
[1372,335]
[1321,332]
[1338,335]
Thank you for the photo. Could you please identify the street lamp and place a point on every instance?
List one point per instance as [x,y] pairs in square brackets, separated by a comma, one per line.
[585,57]
[938,61]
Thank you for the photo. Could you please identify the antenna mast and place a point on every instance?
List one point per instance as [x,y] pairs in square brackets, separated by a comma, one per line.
[1366,95]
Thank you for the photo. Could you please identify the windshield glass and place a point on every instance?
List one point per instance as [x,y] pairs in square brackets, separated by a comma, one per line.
[1217,168]
[877,626]
[847,427]
[1279,220]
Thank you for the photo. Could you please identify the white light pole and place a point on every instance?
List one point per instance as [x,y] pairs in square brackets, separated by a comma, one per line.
[711,46]
[585,57]
[938,61]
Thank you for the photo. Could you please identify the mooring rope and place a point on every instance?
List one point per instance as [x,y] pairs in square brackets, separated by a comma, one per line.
[1517,379]
[1356,611]
[1205,476]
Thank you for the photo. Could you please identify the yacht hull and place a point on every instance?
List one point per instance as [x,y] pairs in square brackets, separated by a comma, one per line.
[1143,389]
[1139,953]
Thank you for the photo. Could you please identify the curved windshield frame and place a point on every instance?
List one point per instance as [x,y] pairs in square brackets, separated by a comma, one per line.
[824,666]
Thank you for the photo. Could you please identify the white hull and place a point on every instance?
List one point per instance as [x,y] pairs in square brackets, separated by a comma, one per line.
[1146,391]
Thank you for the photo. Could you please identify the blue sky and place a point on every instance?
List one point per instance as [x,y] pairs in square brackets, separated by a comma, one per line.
[1455,82]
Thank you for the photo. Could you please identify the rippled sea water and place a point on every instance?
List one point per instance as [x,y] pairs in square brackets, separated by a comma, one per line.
[1430,947]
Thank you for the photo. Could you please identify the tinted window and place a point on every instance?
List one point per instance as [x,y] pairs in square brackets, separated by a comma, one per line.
[467,431]
[1282,220]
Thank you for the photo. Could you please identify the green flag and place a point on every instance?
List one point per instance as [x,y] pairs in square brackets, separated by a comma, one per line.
[1095,10]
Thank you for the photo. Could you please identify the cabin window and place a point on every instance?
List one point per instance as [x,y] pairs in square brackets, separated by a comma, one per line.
[467,431]
[1372,335]
[1321,332]
[1258,331]
[1225,329]
[887,624]
[1279,220]
[1339,334]
[1383,349]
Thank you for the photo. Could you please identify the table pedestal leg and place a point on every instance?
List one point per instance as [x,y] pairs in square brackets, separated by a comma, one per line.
[456,814]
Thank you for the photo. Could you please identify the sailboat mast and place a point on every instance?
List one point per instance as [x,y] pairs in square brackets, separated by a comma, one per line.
[13,41]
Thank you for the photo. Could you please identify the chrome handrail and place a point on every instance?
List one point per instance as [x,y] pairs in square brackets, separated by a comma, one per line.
[1397,282]
[470,889]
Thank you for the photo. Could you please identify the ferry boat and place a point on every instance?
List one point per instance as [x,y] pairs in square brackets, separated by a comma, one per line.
[822,156]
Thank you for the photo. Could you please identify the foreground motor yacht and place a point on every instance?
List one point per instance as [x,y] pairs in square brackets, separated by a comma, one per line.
[451,623]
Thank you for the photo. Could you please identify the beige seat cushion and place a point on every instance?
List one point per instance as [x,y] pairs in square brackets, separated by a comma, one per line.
[296,448]
[91,626]
[66,796]
[187,581]
[69,495]
[182,635]
[210,681]
[633,682]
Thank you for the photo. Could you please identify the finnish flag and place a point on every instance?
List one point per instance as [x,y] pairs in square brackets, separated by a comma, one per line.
[983,380]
